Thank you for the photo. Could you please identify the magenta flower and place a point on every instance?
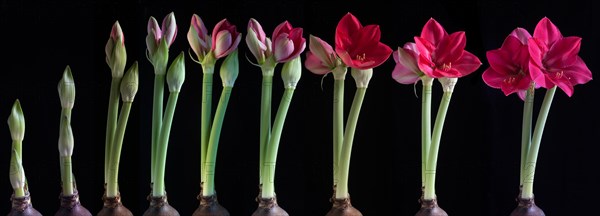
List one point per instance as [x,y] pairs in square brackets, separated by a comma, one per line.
[225,38]
[198,37]
[443,55]
[555,60]
[321,58]
[509,65]
[358,46]
[288,42]
[257,41]
[407,70]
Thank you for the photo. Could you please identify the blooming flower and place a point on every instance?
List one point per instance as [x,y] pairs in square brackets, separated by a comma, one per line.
[225,39]
[198,37]
[407,70]
[321,58]
[555,60]
[358,46]
[509,65]
[288,42]
[443,55]
[257,41]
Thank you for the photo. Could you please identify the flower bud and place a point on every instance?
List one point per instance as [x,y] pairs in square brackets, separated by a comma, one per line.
[129,83]
[176,74]
[16,122]
[256,41]
[66,89]
[225,39]
[362,77]
[448,83]
[198,38]
[116,54]
[169,27]
[65,138]
[230,69]
[291,72]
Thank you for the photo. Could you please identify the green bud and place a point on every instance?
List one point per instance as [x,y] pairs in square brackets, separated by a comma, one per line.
[448,83]
[17,173]
[362,77]
[65,138]
[129,83]
[66,89]
[16,122]
[116,54]
[230,69]
[291,72]
[176,74]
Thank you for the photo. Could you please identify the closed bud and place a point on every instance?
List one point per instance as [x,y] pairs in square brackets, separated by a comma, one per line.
[230,69]
[129,83]
[176,74]
[291,72]
[66,89]
[16,122]
[116,54]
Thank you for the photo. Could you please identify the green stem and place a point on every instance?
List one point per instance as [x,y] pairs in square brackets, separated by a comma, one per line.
[265,119]
[344,160]
[435,147]
[63,113]
[157,112]
[111,122]
[113,181]
[535,144]
[213,144]
[20,192]
[338,125]
[18,146]
[268,189]
[68,176]
[206,112]
[161,153]
[15,168]
[526,130]
[425,125]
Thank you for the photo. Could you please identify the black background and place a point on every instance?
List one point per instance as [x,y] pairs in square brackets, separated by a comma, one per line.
[479,154]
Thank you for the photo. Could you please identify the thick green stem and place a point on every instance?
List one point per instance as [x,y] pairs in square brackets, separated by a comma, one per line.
[158,188]
[16,168]
[338,125]
[265,119]
[535,144]
[111,121]
[268,189]
[157,112]
[213,144]
[20,192]
[435,147]
[346,151]
[63,113]
[526,130]
[67,184]
[206,114]
[425,125]
[17,145]
[113,181]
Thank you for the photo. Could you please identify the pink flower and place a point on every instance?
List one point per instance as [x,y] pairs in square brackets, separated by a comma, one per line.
[321,58]
[555,60]
[168,31]
[443,55]
[257,41]
[225,38]
[358,46]
[509,65]
[288,42]
[198,37]
[407,70]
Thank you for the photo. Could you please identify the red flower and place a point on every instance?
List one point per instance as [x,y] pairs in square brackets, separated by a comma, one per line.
[509,65]
[358,46]
[443,55]
[555,60]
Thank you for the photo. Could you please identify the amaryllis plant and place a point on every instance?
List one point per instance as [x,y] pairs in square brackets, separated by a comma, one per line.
[208,49]
[546,60]
[434,55]
[357,47]
[285,48]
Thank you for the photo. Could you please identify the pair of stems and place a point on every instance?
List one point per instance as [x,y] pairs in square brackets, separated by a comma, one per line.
[430,141]
[270,136]
[210,141]
[115,133]
[530,146]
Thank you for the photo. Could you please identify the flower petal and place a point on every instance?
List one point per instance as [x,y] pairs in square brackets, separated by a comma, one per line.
[404,75]
[345,57]
[537,50]
[538,76]
[283,47]
[450,48]
[284,27]
[347,26]
[257,28]
[365,39]
[223,41]
[578,72]
[321,50]
[493,78]
[547,32]
[466,64]
[433,32]
[255,46]
[424,47]
[407,58]
[169,26]
[500,60]
[315,65]
[521,34]
[426,65]
[563,53]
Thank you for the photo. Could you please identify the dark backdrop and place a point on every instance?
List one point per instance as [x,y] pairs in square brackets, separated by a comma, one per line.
[479,154]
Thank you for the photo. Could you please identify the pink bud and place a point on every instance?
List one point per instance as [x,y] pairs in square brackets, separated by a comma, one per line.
[169,26]
[225,39]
